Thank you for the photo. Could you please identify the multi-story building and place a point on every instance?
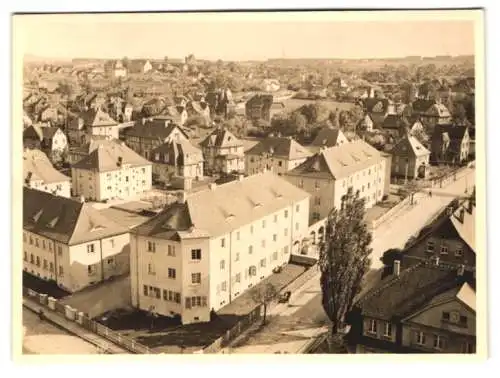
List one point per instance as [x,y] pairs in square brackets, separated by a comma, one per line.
[111,171]
[428,308]
[202,252]
[329,174]
[223,152]
[450,144]
[277,154]
[328,137]
[70,242]
[410,158]
[148,134]
[77,153]
[177,158]
[38,173]
[93,122]
[50,140]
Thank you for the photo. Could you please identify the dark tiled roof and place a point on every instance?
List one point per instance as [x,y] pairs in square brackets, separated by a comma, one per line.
[157,127]
[280,147]
[422,105]
[454,132]
[397,297]
[327,137]
[221,138]
[376,105]
[64,219]
[394,121]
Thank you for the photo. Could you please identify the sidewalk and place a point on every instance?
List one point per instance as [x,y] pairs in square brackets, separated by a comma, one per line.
[74,328]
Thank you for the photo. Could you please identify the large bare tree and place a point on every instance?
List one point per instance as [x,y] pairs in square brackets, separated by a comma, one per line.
[344,258]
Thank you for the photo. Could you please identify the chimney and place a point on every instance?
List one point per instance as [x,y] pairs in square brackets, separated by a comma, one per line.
[212,186]
[397,268]
[461,270]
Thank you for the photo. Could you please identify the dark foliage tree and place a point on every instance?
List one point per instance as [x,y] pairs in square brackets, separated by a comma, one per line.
[390,255]
[264,296]
[344,258]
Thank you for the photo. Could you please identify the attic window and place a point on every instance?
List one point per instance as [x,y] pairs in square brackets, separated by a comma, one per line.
[343,163]
[53,222]
[257,205]
[230,217]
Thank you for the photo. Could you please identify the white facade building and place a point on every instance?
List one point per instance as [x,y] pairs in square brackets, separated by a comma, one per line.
[207,249]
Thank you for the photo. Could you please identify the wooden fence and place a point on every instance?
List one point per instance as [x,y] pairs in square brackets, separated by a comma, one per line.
[85,322]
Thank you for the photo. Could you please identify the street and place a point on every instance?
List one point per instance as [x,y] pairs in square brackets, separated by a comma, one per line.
[41,337]
[305,302]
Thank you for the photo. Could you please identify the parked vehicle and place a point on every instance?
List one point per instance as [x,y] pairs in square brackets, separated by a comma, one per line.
[285,297]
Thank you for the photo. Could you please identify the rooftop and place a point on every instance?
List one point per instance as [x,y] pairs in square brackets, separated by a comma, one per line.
[281,147]
[410,144]
[210,213]
[37,167]
[221,138]
[327,137]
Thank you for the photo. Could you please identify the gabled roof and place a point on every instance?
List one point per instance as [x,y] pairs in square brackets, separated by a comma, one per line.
[37,166]
[340,161]
[281,147]
[40,132]
[157,127]
[97,118]
[327,137]
[376,105]
[181,152]
[221,138]
[454,132]
[65,220]
[466,226]
[215,212]
[438,109]
[109,157]
[409,145]
[422,105]
[396,297]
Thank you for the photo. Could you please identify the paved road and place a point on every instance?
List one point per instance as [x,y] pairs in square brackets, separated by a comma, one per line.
[41,337]
[392,234]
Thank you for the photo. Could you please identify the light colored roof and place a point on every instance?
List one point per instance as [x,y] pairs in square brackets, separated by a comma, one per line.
[410,144]
[182,152]
[97,118]
[339,161]
[282,147]
[467,295]
[215,212]
[221,138]
[106,157]
[466,227]
[37,166]
[65,220]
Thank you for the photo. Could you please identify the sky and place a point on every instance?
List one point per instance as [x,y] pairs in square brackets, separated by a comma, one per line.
[233,38]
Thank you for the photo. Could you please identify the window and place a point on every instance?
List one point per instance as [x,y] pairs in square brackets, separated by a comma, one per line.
[32,258]
[263,263]
[24,237]
[263,244]
[223,242]
[50,247]
[251,229]
[388,329]
[315,216]
[275,237]
[297,208]
[468,347]
[446,316]
[91,269]
[275,256]
[61,270]
[112,243]
[317,201]
[252,271]
[439,342]
[296,226]
[463,320]
[286,231]
[196,254]
[286,213]
[151,269]
[51,267]
[37,261]
[238,277]
[275,218]
[151,247]
[171,250]
[31,240]
[43,244]
[196,278]
[444,249]
[301,183]
[90,248]
[420,338]
[222,264]
[285,250]
[25,256]
[372,327]
[36,242]
[238,235]
[171,273]
[177,297]
[280,163]
[316,184]
[45,264]
[223,286]
[250,249]
[145,290]
[110,261]
[459,252]
[430,246]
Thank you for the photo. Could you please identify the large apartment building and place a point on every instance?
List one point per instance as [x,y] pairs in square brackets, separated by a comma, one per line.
[111,171]
[70,242]
[279,154]
[208,248]
[38,173]
[329,174]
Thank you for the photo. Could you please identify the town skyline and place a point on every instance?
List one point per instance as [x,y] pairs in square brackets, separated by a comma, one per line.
[253,40]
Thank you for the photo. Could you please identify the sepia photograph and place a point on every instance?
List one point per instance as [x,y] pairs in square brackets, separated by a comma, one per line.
[272,182]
